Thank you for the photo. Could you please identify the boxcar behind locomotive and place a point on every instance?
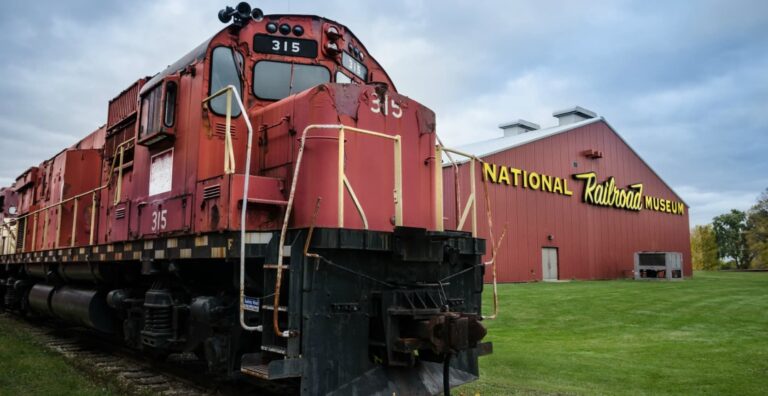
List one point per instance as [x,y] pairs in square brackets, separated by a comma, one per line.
[269,202]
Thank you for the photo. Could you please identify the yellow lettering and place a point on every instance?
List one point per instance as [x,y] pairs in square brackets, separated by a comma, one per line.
[546,183]
[681,208]
[600,194]
[558,189]
[525,179]
[649,202]
[611,192]
[565,187]
[516,173]
[504,175]
[607,194]
[589,189]
[637,199]
[535,180]
[489,172]
[621,199]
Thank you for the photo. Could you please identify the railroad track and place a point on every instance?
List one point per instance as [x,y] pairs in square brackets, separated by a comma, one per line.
[129,370]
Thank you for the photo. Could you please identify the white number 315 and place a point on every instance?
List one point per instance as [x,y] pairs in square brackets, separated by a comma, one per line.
[388,107]
[159,221]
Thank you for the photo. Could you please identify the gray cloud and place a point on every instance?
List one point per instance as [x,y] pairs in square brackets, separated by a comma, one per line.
[684,84]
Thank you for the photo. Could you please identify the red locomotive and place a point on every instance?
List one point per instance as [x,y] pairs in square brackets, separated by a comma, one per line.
[270,202]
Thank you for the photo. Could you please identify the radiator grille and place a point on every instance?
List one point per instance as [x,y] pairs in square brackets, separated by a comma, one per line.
[22,229]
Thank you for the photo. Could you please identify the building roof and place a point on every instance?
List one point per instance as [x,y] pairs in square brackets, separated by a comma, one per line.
[492,146]
[520,122]
[575,110]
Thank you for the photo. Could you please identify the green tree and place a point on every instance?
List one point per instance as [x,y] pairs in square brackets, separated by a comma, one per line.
[757,231]
[730,230]
[704,248]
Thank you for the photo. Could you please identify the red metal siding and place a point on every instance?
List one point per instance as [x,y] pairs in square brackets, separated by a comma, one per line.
[124,104]
[593,242]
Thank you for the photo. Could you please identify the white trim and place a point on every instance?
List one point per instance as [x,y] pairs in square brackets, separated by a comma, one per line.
[151,160]
[493,146]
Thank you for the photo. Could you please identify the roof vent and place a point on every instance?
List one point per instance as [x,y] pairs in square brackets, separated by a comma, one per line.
[573,115]
[517,127]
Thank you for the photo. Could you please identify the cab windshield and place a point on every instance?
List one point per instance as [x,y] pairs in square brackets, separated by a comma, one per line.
[277,80]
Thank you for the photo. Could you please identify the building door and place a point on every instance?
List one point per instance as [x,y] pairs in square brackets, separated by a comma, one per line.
[548,263]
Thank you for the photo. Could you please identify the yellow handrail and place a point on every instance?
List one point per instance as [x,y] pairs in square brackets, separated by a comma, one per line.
[343,181]
[471,201]
[229,152]
[229,168]
[398,197]
[119,187]
[471,205]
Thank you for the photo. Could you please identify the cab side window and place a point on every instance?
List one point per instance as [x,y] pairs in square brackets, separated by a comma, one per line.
[150,112]
[225,70]
[170,104]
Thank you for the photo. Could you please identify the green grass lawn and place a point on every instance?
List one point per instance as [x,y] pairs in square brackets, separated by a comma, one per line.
[707,335]
[27,368]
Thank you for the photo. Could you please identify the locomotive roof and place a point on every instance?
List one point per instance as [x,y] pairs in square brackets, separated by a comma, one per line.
[195,55]
[199,52]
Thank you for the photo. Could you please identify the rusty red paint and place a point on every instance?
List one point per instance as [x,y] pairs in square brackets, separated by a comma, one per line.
[202,198]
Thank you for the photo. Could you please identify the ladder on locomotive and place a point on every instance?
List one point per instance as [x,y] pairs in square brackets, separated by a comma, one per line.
[279,355]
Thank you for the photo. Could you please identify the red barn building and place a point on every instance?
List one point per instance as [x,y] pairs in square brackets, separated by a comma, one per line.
[576,200]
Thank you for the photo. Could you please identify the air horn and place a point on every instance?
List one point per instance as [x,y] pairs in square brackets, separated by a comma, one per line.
[241,13]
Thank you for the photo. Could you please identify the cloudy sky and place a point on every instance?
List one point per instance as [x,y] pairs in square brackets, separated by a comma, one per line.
[685,83]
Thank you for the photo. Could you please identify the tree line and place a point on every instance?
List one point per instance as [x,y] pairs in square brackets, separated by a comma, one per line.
[734,240]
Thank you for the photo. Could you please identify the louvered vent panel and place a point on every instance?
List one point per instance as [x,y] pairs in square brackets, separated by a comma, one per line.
[120,213]
[221,130]
[211,192]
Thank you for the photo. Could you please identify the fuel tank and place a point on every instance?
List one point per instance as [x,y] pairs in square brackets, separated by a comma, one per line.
[76,306]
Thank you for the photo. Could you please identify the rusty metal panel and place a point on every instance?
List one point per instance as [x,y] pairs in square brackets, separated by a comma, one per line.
[124,104]
[94,140]
[593,242]
[164,217]
[73,172]
[213,211]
